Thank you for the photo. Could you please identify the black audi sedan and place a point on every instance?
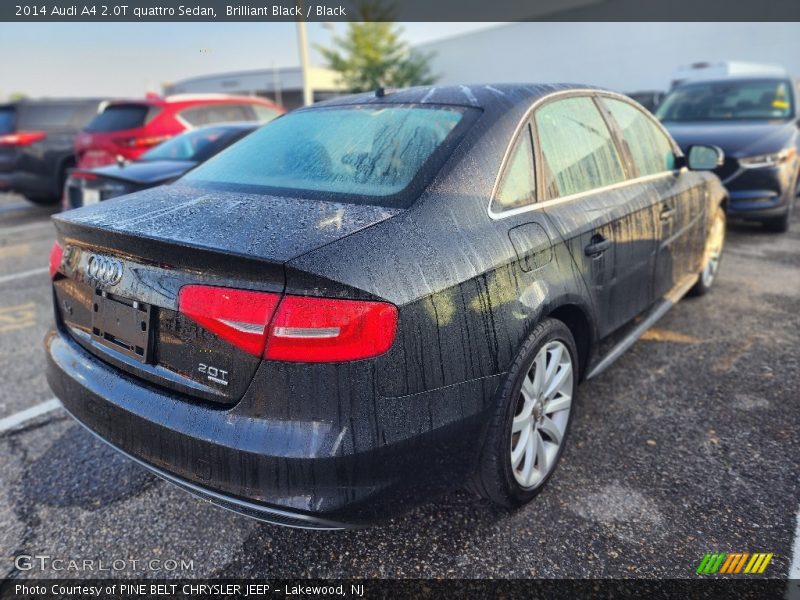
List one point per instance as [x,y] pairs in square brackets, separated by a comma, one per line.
[163,164]
[755,121]
[379,298]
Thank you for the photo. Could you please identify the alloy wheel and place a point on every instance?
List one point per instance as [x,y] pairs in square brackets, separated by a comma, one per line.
[714,244]
[541,415]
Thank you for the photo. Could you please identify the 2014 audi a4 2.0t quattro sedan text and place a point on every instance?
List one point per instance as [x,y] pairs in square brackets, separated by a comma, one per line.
[380,297]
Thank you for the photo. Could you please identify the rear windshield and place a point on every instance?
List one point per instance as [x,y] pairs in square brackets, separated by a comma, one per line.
[193,145]
[726,100]
[365,151]
[6,119]
[118,117]
[48,116]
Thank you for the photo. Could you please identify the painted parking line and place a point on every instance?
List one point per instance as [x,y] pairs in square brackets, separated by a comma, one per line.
[23,416]
[28,273]
[18,316]
[14,251]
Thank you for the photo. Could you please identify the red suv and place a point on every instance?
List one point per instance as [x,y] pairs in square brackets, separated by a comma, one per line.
[128,128]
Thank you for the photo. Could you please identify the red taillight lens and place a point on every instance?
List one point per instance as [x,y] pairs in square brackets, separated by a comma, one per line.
[303,329]
[22,138]
[82,175]
[56,255]
[237,316]
[307,329]
[142,142]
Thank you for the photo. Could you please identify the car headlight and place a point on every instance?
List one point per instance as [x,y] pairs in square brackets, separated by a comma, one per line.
[767,160]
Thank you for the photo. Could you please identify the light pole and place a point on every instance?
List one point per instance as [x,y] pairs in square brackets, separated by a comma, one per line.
[302,41]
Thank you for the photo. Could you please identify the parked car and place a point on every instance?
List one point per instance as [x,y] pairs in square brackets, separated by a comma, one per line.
[127,129]
[649,99]
[163,164]
[379,298]
[36,144]
[755,121]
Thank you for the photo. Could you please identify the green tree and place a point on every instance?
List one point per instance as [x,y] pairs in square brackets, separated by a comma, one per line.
[372,54]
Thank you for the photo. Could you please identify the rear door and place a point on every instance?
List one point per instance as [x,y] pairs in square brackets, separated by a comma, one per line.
[679,203]
[603,213]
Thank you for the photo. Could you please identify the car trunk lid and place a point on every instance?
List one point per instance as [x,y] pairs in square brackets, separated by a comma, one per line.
[125,262]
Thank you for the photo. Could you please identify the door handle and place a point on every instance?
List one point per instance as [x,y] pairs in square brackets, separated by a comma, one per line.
[597,247]
[667,212]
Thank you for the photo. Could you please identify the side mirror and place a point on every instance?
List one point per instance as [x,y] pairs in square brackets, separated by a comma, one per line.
[704,158]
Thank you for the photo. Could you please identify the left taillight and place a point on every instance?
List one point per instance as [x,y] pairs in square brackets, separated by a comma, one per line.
[238,316]
[292,328]
[22,138]
[56,256]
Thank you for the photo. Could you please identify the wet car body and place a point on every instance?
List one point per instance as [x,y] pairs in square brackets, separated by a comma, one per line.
[328,445]
[153,168]
[761,191]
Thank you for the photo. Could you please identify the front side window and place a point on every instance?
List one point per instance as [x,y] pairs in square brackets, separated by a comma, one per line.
[577,148]
[650,148]
[517,187]
[366,151]
[758,100]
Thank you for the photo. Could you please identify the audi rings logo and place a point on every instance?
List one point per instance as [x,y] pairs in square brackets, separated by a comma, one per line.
[104,269]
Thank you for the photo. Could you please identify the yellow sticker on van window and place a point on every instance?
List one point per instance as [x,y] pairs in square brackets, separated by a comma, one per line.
[780,104]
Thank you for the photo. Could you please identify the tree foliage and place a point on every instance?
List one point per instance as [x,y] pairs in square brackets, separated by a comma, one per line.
[372,54]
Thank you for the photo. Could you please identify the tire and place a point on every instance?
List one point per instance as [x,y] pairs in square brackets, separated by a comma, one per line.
[43,200]
[497,479]
[779,225]
[712,255]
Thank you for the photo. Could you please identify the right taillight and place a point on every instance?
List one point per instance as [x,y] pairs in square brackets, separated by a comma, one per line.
[308,329]
[22,138]
[292,328]
[56,257]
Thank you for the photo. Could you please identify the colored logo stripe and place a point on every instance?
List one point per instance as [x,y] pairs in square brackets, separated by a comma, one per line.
[733,563]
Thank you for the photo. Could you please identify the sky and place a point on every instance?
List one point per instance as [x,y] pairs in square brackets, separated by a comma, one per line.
[129,59]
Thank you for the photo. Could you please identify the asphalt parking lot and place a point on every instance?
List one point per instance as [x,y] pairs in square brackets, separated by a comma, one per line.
[689,444]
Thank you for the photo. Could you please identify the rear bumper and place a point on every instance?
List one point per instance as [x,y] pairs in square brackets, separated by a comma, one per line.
[294,473]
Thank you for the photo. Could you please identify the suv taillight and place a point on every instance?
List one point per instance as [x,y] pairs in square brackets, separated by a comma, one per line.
[22,138]
[292,328]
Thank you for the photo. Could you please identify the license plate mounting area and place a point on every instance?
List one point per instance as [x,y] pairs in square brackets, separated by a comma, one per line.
[122,324]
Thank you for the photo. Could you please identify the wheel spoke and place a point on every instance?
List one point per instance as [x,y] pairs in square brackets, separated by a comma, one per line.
[558,379]
[518,451]
[521,421]
[530,455]
[555,360]
[540,365]
[541,453]
[563,402]
[527,389]
[552,431]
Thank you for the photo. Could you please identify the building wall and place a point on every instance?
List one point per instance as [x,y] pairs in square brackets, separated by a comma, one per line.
[622,56]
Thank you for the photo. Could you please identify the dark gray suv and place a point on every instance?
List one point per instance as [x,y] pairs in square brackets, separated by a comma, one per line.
[36,144]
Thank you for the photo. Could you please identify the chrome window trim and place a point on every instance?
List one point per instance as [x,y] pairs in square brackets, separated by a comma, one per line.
[578,92]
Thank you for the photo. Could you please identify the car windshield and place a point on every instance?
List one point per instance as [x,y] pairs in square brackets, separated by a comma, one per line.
[723,100]
[118,117]
[352,150]
[192,145]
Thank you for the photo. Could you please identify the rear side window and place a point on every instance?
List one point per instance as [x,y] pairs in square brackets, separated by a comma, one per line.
[577,148]
[48,116]
[650,148]
[517,187]
[7,114]
[264,114]
[118,117]
[366,151]
[217,113]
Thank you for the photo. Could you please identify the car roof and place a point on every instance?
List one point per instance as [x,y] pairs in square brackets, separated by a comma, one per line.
[486,96]
[735,79]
